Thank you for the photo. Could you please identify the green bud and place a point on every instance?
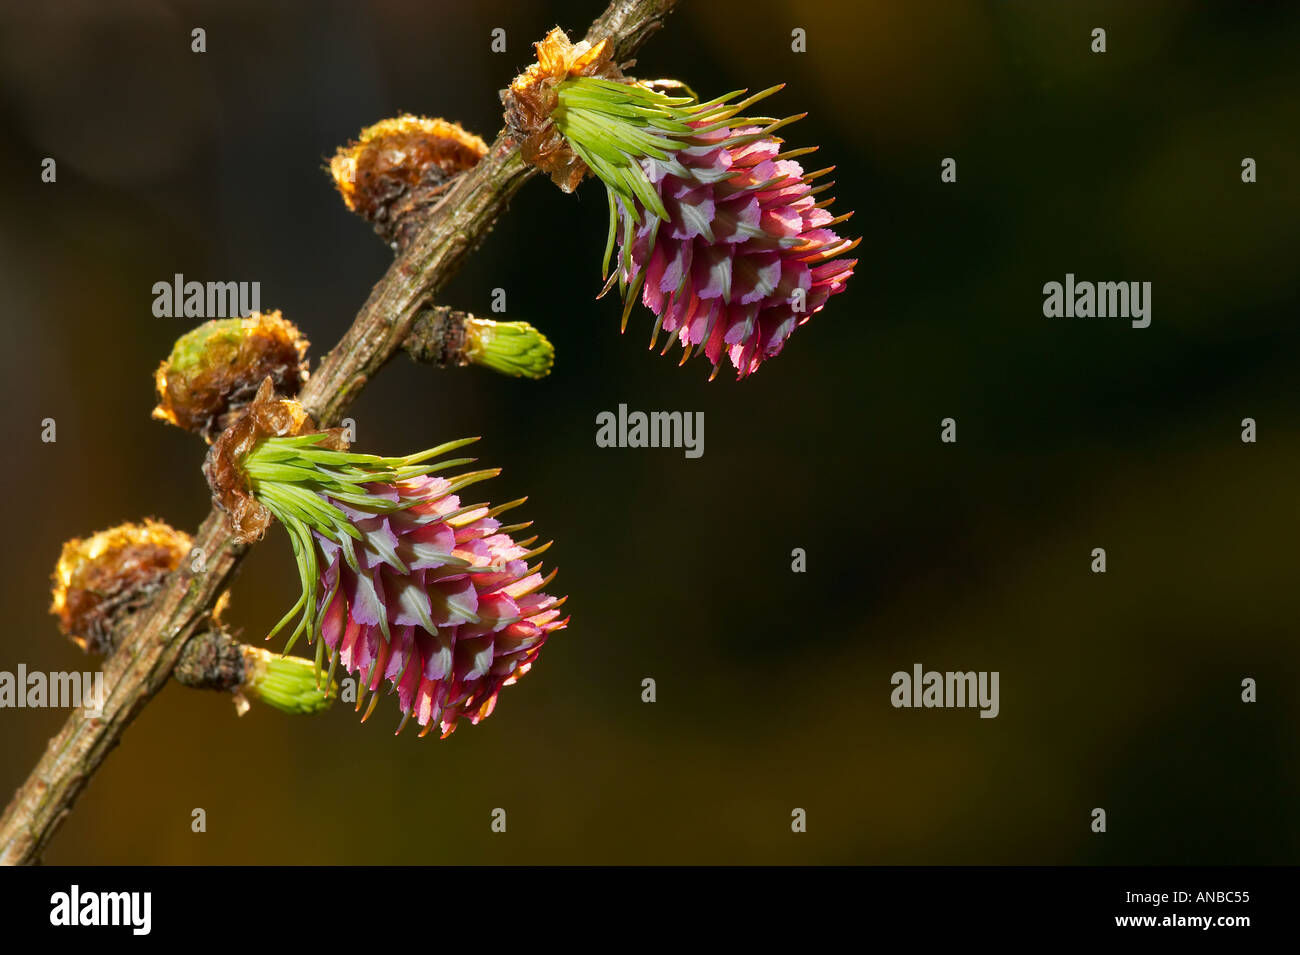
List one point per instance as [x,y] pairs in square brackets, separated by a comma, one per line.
[286,683]
[511,348]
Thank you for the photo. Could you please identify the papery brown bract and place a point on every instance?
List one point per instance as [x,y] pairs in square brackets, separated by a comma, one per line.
[401,167]
[215,370]
[532,97]
[109,575]
[266,416]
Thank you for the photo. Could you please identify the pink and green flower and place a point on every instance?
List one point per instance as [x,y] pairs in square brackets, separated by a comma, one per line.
[720,230]
[401,582]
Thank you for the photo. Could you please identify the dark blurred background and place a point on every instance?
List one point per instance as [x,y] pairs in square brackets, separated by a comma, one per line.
[1119,691]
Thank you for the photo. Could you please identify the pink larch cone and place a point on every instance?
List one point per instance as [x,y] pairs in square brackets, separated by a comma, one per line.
[744,233]
[464,621]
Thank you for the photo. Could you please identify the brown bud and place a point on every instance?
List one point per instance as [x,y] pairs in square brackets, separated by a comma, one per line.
[532,98]
[266,416]
[110,575]
[215,369]
[399,168]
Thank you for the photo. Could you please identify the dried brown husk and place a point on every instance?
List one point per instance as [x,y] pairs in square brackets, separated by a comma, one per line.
[532,97]
[401,167]
[267,416]
[110,575]
[209,394]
